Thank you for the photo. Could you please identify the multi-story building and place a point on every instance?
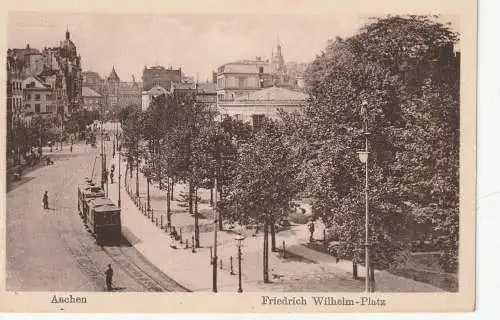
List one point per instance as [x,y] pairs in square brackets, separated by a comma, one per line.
[256,106]
[92,100]
[61,65]
[129,93]
[93,81]
[206,92]
[112,84]
[38,97]
[15,104]
[56,81]
[148,96]
[70,63]
[158,75]
[243,76]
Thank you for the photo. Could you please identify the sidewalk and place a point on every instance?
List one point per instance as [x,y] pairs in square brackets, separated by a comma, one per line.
[303,269]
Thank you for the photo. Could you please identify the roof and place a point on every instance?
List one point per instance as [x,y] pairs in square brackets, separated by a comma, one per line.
[106,207]
[88,92]
[274,93]
[207,87]
[35,83]
[183,86]
[48,72]
[113,75]
[157,90]
[101,201]
[243,67]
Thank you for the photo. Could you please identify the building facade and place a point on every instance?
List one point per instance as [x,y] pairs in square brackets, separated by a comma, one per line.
[158,75]
[243,76]
[129,93]
[93,81]
[256,106]
[92,100]
[38,97]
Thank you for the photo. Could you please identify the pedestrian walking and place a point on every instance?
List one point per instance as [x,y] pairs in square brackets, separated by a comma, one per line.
[311,230]
[109,277]
[45,200]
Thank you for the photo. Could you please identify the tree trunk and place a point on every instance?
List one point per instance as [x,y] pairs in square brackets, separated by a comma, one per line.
[190,197]
[273,237]
[149,199]
[372,277]
[196,223]
[131,168]
[160,185]
[169,214]
[137,181]
[211,197]
[266,254]
[221,227]
[354,270]
[172,190]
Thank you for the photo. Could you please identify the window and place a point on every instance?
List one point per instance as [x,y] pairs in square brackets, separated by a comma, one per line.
[220,97]
[37,97]
[237,117]
[37,108]
[241,82]
[257,121]
[28,96]
[261,69]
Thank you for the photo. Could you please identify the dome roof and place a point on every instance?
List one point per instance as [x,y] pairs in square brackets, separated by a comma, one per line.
[157,91]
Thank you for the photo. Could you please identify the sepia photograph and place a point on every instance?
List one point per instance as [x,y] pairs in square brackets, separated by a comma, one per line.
[235,153]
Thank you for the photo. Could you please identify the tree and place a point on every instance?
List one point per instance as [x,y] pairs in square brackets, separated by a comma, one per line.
[264,185]
[405,70]
[130,120]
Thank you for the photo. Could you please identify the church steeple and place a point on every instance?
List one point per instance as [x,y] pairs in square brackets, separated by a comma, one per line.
[67,33]
[113,76]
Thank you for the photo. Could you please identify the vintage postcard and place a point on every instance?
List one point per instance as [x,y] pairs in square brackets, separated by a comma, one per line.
[233,156]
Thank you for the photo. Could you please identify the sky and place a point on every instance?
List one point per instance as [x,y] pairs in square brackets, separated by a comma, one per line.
[198,43]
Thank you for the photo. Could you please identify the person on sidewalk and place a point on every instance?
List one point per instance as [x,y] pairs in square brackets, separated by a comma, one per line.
[45,200]
[310,226]
[109,277]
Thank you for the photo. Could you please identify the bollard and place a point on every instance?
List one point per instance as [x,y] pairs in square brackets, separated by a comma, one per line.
[231,262]
[192,245]
[284,251]
[221,264]
[211,258]
[180,234]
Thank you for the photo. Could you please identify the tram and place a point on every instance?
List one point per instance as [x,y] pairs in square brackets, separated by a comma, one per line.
[86,192]
[104,221]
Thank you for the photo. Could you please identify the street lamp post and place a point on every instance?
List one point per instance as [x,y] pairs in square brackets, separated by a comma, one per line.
[214,264]
[363,157]
[119,180]
[239,238]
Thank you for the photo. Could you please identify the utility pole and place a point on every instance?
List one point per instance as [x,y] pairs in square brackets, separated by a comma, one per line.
[214,264]
[119,180]
[103,155]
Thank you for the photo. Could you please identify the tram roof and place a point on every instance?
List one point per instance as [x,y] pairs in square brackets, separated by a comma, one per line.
[107,208]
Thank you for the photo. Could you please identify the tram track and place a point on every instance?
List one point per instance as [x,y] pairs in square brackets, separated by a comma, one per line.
[92,258]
